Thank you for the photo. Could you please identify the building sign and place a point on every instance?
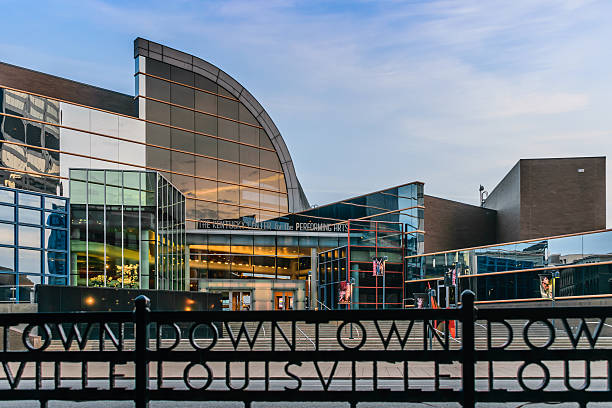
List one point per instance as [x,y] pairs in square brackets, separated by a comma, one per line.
[271,225]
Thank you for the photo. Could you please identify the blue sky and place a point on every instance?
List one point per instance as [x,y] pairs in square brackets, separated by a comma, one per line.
[367,94]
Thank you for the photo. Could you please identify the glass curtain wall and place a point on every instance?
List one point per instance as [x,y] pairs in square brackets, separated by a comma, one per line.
[127,230]
[255,255]
[33,243]
[216,151]
[22,139]
[583,263]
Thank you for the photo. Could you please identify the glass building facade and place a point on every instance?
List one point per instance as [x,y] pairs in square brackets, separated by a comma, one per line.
[583,263]
[33,243]
[127,230]
[29,142]
[213,146]
[387,224]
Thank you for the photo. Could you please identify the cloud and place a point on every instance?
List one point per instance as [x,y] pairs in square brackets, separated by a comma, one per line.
[370,94]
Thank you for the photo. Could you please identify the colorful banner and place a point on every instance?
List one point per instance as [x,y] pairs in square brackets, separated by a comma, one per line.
[546,286]
[378,266]
[344,293]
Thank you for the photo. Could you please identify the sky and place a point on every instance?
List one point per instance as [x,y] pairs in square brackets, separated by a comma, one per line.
[367,94]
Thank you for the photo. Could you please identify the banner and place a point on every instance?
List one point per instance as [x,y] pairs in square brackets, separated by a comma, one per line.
[378,266]
[546,286]
[420,300]
[344,293]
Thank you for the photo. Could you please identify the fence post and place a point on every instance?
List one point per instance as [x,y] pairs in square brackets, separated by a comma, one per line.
[141,364]
[467,340]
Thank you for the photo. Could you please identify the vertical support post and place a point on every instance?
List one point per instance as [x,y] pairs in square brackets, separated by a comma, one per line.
[141,363]
[467,336]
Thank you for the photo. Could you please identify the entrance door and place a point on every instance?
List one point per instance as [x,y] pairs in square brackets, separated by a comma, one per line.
[283,300]
[241,300]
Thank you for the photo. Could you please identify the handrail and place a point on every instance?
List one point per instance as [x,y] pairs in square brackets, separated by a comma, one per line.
[305,335]
[444,334]
[322,304]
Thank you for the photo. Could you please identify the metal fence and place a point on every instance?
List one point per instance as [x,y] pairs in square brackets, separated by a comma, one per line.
[349,356]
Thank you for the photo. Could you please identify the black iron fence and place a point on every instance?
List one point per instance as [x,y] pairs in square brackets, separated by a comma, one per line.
[466,355]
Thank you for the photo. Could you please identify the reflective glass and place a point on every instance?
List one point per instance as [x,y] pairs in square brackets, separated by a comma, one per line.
[158,112]
[27,216]
[29,236]
[205,83]
[7,213]
[158,68]
[158,89]
[205,167]
[227,212]
[228,172]
[181,75]
[7,234]
[264,140]
[205,102]
[29,260]
[7,196]
[206,145]
[181,95]
[7,259]
[206,124]
[249,155]
[55,204]
[29,200]
[55,263]
[269,160]
[56,239]
[229,151]
[228,108]
[249,176]
[228,129]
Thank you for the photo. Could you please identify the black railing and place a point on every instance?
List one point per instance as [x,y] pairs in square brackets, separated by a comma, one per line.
[366,355]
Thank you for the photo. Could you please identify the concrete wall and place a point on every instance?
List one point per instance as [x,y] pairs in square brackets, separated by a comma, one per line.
[451,225]
[558,199]
[505,199]
[18,308]
[71,91]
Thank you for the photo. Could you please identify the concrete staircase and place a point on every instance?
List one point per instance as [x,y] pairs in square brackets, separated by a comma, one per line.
[305,338]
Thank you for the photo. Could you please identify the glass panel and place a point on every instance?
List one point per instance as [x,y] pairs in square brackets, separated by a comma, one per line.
[269,160]
[206,102]
[29,260]
[29,200]
[249,197]
[131,250]
[7,213]
[113,262]
[7,259]
[206,124]
[228,129]
[228,108]
[227,193]
[56,239]
[7,234]
[264,140]
[27,216]
[55,263]
[229,151]
[158,89]
[249,155]
[55,204]
[182,118]
[249,176]
[205,83]
[7,196]
[181,95]
[131,189]
[206,145]
[228,172]
[29,236]
[246,116]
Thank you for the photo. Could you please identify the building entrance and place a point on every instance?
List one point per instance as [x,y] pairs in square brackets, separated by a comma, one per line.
[283,300]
